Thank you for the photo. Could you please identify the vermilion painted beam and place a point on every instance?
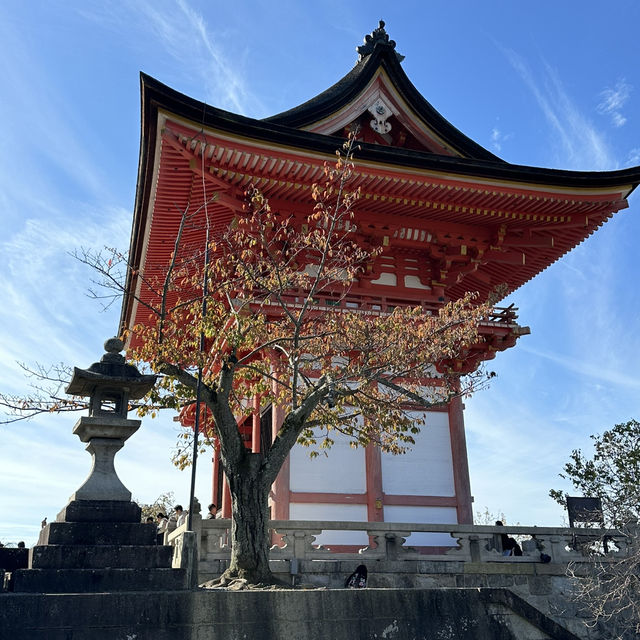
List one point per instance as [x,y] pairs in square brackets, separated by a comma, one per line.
[420,501]
[321,497]
[528,239]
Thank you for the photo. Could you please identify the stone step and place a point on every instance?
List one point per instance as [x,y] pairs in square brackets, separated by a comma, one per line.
[102,556]
[97,580]
[100,511]
[12,559]
[98,533]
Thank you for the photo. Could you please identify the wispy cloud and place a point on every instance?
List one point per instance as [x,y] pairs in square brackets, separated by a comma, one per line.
[45,317]
[187,38]
[502,436]
[498,138]
[634,156]
[45,128]
[613,100]
[512,435]
[45,310]
[581,145]
[586,368]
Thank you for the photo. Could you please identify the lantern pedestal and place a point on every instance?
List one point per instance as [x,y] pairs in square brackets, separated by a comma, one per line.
[105,437]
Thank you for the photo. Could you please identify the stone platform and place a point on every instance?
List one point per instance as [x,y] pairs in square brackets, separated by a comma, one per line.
[98,546]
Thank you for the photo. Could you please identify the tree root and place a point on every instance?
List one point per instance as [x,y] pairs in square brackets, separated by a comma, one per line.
[234,583]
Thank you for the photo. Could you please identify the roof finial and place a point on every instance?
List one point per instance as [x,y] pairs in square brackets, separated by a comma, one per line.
[377,36]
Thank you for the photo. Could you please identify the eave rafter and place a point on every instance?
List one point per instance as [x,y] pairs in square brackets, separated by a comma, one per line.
[225,194]
[239,162]
[464,233]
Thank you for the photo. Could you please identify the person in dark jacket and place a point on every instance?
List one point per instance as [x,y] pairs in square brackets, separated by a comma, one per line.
[509,545]
[358,579]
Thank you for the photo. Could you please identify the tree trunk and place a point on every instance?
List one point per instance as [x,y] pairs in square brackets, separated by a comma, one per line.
[250,538]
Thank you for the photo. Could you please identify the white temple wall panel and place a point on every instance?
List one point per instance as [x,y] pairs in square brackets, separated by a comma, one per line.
[427,468]
[414,282]
[341,471]
[388,279]
[427,515]
[333,512]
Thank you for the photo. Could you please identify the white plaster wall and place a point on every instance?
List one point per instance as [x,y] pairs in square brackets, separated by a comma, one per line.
[427,515]
[413,282]
[388,279]
[427,469]
[342,470]
[333,512]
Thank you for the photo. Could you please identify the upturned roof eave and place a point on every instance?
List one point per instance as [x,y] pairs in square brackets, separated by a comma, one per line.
[157,96]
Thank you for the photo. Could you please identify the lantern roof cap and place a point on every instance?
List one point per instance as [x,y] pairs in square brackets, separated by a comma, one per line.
[111,371]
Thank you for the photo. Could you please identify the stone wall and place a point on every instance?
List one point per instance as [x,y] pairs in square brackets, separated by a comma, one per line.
[543,586]
[476,561]
[368,614]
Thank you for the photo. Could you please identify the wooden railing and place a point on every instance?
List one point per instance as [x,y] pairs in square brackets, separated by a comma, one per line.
[504,315]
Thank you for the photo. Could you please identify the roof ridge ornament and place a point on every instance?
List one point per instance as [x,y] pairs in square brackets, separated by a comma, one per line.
[377,36]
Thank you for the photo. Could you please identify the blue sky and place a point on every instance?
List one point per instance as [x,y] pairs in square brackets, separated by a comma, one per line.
[547,84]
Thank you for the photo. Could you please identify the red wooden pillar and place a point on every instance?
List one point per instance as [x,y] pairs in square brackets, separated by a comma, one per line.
[373,462]
[460,462]
[255,426]
[280,493]
[226,498]
[215,477]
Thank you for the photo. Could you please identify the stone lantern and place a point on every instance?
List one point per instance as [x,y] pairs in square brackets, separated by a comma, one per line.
[109,384]
[97,542]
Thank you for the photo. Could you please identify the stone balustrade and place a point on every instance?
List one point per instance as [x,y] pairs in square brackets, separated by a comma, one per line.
[301,540]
